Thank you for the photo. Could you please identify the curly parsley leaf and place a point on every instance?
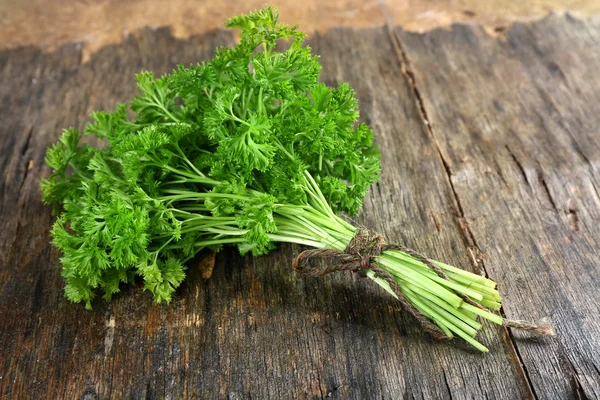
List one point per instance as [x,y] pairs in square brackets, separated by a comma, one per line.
[213,155]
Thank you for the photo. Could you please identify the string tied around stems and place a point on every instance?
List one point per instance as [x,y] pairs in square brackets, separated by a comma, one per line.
[358,257]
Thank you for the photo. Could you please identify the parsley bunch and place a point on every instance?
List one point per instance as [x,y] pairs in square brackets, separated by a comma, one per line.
[246,149]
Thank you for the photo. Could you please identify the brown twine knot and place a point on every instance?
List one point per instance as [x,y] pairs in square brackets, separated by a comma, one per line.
[357,257]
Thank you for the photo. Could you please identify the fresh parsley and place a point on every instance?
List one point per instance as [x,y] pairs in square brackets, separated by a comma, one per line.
[246,149]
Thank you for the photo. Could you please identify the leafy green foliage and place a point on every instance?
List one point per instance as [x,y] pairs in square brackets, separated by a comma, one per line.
[211,155]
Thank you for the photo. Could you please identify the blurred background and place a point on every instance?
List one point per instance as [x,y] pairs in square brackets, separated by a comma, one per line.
[96,23]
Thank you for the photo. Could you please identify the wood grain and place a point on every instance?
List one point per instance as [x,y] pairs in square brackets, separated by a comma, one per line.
[490,162]
[516,126]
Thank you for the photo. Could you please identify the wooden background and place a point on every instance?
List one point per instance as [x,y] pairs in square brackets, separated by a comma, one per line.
[491,160]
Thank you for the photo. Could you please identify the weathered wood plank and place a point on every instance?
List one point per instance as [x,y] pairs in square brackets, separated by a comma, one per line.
[255,328]
[516,123]
[340,335]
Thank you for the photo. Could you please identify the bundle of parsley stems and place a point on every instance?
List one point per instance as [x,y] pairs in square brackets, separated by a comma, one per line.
[247,149]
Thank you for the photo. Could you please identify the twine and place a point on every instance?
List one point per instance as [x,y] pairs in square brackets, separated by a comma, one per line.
[357,257]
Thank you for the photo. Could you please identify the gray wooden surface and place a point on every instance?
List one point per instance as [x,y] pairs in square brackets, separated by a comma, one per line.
[491,161]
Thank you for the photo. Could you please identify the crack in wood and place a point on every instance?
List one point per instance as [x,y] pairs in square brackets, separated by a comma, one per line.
[378,187]
[406,69]
[27,167]
[596,191]
[572,216]
[596,368]
[437,223]
[28,164]
[577,386]
[519,165]
[518,358]
[498,170]
[540,177]
[579,150]
[481,386]
[553,108]
[313,362]
[111,325]
[447,385]
[331,391]
[556,70]
[319,382]
[544,185]
[464,228]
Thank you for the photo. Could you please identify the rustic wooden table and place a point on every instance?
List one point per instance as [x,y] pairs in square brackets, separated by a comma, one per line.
[491,161]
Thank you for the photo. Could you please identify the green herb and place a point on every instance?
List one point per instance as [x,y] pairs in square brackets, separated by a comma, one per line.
[247,149]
